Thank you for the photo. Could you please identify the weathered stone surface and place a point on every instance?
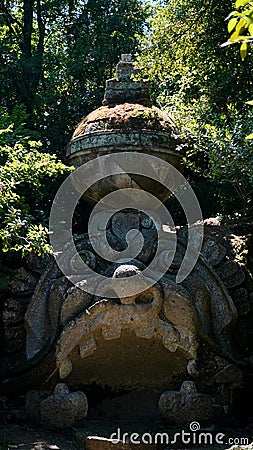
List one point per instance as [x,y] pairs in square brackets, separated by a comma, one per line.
[76,300]
[14,338]
[63,409]
[36,263]
[231,274]
[186,405]
[230,375]
[46,302]
[154,336]
[122,223]
[122,88]
[14,311]
[221,307]
[159,145]
[125,118]
[65,368]
[213,252]
[23,283]
[146,341]
[242,300]
[137,315]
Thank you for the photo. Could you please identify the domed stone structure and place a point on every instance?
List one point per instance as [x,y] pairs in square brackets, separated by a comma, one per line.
[126,122]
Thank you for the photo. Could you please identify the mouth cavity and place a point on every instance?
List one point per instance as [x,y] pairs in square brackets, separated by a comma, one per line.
[123,345]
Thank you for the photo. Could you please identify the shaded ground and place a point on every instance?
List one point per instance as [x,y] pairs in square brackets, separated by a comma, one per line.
[27,438]
[16,437]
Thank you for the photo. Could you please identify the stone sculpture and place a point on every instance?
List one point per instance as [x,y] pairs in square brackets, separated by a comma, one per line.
[194,334]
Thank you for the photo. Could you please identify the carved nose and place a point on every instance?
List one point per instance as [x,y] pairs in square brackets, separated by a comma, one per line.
[127,282]
[126,270]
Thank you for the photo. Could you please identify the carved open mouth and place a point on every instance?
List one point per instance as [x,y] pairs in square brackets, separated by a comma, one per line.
[124,343]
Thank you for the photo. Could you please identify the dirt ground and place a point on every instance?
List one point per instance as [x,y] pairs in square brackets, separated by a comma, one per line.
[16,437]
[27,438]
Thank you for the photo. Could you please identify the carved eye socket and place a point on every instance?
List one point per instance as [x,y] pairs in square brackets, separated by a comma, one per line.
[167,259]
[88,258]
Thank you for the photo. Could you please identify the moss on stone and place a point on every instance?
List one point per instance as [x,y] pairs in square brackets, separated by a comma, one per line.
[126,116]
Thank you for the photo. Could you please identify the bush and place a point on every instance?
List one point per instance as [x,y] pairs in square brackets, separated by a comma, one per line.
[217,147]
[25,198]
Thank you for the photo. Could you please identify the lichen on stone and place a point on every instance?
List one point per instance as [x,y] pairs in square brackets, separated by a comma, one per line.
[126,116]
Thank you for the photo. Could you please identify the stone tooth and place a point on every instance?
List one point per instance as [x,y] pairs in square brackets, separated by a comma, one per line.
[192,367]
[171,347]
[145,332]
[87,348]
[170,343]
[111,332]
[65,368]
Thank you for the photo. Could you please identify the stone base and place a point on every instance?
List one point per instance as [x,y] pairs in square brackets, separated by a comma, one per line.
[186,405]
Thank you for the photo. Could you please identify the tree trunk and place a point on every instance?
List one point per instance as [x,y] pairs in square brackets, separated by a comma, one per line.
[31,62]
[38,56]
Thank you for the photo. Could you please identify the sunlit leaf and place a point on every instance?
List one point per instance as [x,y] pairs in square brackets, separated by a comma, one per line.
[231,24]
[241,25]
[251,29]
[239,3]
[243,50]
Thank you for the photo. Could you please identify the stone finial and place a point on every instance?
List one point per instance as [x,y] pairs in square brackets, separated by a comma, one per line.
[126,58]
[125,68]
[123,89]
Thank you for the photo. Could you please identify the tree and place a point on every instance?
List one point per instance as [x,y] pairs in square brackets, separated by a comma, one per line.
[57,54]
[182,54]
[204,88]
[23,47]
[240,26]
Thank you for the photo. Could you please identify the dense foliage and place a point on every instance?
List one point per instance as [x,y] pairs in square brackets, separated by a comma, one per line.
[55,57]
[54,60]
[25,196]
[205,88]
[57,54]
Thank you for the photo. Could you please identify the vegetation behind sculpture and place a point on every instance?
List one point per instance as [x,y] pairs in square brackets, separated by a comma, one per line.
[56,57]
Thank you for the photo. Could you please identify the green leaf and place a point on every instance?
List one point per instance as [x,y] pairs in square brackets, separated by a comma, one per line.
[250,102]
[250,136]
[239,3]
[231,24]
[243,50]
[241,24]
